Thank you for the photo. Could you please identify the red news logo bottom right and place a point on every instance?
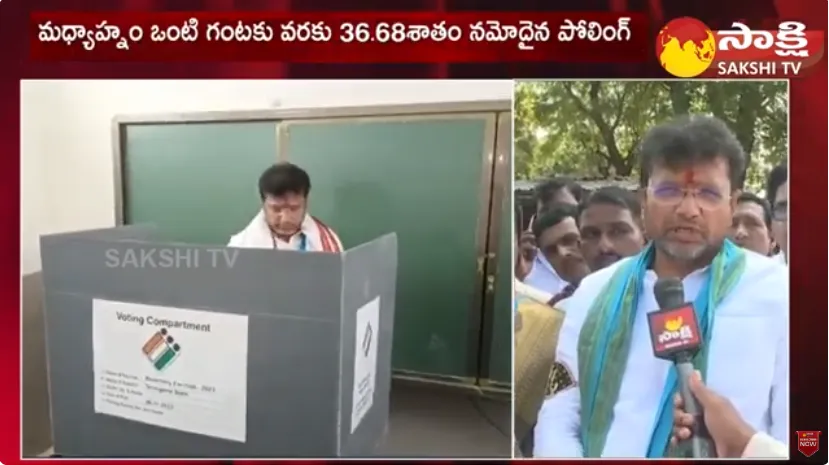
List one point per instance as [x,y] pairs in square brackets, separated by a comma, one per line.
[808,442]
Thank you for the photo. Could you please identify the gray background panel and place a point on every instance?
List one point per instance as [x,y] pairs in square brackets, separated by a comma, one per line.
[369,270]
[293,348]
[310,279]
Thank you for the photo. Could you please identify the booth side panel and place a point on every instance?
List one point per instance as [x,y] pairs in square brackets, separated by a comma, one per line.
[292,351]
[369,282]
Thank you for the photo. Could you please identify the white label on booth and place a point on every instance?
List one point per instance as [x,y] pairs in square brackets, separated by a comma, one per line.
[367,330]
[171,367]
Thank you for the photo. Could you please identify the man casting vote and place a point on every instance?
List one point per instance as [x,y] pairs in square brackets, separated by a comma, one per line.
[613,398]
[283,222]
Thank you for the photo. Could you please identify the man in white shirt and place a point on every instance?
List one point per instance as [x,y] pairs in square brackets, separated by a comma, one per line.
[283,222]
[610,224]
[613,398]
[548,193]
[610,227]
[751,224]
[558,261]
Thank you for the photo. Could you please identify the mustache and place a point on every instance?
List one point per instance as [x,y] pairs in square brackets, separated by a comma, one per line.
[692,227]
[609,256]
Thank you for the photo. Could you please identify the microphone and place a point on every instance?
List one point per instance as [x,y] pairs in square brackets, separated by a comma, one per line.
[675,336]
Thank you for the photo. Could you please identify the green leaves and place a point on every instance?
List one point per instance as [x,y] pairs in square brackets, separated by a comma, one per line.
[593,128]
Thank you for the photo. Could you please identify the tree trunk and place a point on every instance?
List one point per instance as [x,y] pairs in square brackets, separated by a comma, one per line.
[748,110]
[680,99]
[614,157]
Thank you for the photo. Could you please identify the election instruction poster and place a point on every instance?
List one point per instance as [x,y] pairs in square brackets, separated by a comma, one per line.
[367,330]
[171,367]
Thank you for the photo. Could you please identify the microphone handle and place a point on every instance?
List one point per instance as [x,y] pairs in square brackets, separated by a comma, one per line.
[701,445]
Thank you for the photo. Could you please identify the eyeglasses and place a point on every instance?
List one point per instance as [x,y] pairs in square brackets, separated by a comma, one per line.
[670,195]
[780,212]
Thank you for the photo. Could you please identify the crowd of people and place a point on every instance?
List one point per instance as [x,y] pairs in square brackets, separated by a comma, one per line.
[595,257]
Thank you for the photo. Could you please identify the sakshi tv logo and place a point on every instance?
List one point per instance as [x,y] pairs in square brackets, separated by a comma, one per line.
[687,48]
[675,330]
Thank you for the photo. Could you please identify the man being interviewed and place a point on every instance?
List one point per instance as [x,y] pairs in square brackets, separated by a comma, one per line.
[614,398]
[283,222]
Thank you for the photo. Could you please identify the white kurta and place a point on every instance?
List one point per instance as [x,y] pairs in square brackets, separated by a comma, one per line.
[544,277]
[257,235]
[748,362]
[523,289]
[763,446]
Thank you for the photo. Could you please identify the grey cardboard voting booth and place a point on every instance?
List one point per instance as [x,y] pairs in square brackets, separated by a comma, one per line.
[302,350]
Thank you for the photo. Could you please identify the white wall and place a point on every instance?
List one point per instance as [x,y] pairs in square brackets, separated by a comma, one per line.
[34,134]
[67,179]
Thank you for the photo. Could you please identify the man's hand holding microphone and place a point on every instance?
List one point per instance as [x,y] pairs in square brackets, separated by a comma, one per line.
[730,433]
[700,415]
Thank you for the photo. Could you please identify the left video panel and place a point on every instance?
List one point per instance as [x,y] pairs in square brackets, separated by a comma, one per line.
[330,278]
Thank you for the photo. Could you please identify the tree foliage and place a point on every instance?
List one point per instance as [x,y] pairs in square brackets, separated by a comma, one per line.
[593,128]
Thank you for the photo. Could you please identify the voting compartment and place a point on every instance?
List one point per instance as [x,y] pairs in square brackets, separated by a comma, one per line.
[175,350]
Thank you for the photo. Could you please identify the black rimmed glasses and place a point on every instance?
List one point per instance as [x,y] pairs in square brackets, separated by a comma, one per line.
[671,195]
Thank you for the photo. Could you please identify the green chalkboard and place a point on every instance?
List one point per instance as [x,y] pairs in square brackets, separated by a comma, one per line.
[420,178]
[196,181]
[500,353]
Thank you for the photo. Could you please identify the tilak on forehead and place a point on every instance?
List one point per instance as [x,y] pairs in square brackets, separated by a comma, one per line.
[688,176]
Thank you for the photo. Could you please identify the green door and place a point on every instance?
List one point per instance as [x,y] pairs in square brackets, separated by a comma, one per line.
[423,178]
[498,309]
[196,181]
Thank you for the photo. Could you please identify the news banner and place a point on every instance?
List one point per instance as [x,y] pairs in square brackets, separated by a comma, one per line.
[786,51]
[368,38]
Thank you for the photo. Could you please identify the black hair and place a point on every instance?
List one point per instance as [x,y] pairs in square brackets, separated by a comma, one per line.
[553,216]
[614,195]
[779,175]
[546,190]
[283,178]
[763,203]
[691,138]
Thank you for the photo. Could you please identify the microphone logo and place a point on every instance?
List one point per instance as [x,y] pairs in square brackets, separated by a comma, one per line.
[674,330]
[673,325]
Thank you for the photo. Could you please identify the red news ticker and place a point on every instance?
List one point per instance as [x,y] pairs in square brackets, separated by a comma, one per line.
[352,37]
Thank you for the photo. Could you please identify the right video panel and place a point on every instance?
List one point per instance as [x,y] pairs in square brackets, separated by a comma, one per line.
[651,283]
